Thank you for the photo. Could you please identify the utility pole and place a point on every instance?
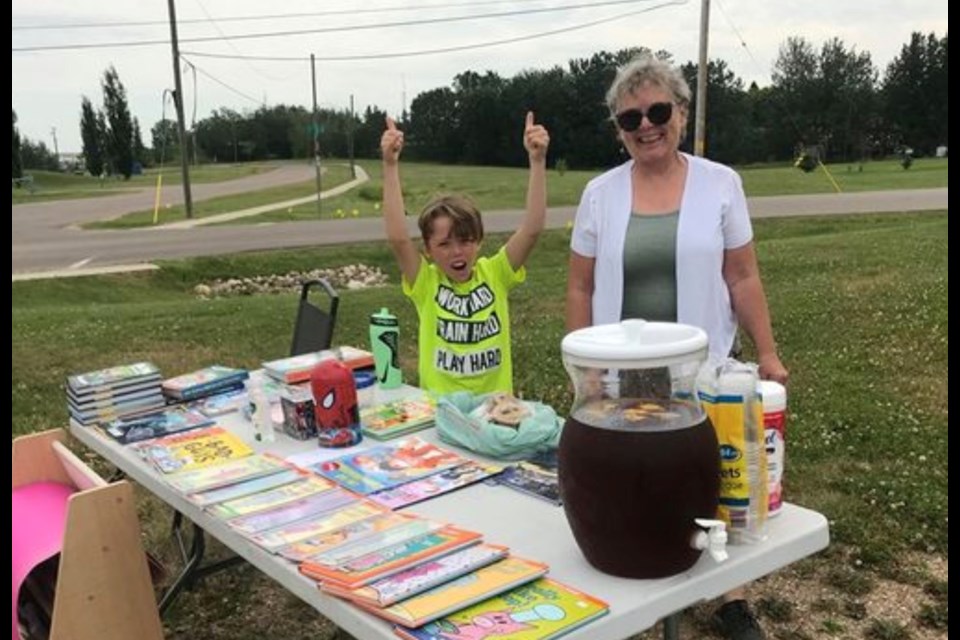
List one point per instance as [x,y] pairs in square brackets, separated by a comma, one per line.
[178,103]
[353,168]
[316,131]
[700,117]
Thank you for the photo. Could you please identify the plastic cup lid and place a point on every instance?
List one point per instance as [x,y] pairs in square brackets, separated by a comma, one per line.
[634,343]
[363,379]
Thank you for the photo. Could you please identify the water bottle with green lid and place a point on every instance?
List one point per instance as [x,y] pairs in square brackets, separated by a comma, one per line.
[385,343]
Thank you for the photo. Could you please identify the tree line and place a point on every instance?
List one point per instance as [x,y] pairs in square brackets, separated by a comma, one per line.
[832,99]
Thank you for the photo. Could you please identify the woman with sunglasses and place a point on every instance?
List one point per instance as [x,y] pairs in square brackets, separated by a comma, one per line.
[666,236]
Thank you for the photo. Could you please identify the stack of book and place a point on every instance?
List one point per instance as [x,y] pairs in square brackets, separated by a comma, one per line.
[204,382]
[117,392]
[297,368]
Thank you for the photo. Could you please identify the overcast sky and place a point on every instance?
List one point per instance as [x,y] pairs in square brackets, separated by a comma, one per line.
[48,84]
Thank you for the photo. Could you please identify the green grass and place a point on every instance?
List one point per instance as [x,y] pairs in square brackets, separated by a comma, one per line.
[335,175]
[860,313]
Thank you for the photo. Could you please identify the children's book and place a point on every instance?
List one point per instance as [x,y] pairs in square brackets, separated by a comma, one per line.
[193,449]
[420,578]
[435,485]
[227,473]
[318,525]
[344,536]
[388,465]
[391,560]
[112,378]
[246,487]
[540,610]
[397,418]
[416,528]
[311,506]
[222,403]
[155,425]
[297,368]
[533,480]
[271,498]
[461,592]
[204,382]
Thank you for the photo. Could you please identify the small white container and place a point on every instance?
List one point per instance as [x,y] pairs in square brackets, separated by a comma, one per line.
[774,397]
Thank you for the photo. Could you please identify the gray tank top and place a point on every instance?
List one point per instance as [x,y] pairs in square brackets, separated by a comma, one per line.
[649,268]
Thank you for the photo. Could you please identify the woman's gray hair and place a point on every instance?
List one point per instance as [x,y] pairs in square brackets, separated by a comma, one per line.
[644,69]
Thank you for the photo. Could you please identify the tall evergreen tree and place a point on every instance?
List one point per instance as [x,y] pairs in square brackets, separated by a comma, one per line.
[93,151]
[120,138]
[16,169]
[139,151]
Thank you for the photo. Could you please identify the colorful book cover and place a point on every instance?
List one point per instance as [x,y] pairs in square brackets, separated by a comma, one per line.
[155,425]
[420,578]
[533,480]
[398,417]
[241,488]
[389,561]
[435,485]
[221,403]
[461,592]
[342,555]
[271,498]
[388,465]
[344,536]
[112,377]
[540,610]
[204,381]
[295,511]
[226,473]
[193,449]
[318,525]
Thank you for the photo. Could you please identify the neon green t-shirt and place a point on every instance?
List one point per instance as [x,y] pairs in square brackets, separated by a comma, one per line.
[464,331]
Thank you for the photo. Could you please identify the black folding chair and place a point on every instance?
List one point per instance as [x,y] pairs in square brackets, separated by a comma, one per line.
[316,317]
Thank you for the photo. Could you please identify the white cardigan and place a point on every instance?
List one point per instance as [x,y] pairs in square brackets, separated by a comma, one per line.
[713,217]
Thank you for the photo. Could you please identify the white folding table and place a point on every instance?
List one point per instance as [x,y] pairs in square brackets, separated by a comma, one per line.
[530,527]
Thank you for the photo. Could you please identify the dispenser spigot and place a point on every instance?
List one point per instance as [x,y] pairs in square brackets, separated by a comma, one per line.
[714,539]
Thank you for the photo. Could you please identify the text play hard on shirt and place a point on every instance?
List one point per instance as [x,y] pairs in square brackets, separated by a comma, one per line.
[465,326]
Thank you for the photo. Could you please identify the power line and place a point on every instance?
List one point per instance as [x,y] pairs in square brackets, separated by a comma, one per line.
[275,16]
[219,82]
[296,32]
[426,52]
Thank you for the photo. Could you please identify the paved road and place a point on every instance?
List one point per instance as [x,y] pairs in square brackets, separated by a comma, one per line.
[34,219]
[43,241]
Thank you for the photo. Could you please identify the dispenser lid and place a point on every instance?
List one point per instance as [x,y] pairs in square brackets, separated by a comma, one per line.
[634,344]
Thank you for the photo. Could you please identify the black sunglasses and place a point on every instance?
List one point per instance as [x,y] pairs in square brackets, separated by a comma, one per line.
[658,113]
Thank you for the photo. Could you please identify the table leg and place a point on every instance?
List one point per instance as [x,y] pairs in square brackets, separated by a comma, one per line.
[192,571]
[671,627]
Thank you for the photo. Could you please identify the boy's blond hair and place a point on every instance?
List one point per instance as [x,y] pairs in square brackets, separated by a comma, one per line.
[464,217]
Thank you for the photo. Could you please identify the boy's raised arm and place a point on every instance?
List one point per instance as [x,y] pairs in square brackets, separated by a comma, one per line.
[394,215]
[535,141]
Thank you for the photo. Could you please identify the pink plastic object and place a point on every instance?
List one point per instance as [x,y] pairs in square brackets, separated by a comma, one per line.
[39,519]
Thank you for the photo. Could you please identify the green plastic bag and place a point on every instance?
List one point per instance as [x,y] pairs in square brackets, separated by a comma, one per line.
[538,432]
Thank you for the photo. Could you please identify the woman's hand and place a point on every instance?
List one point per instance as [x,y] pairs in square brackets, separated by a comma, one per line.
[535,139]
[772,369]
